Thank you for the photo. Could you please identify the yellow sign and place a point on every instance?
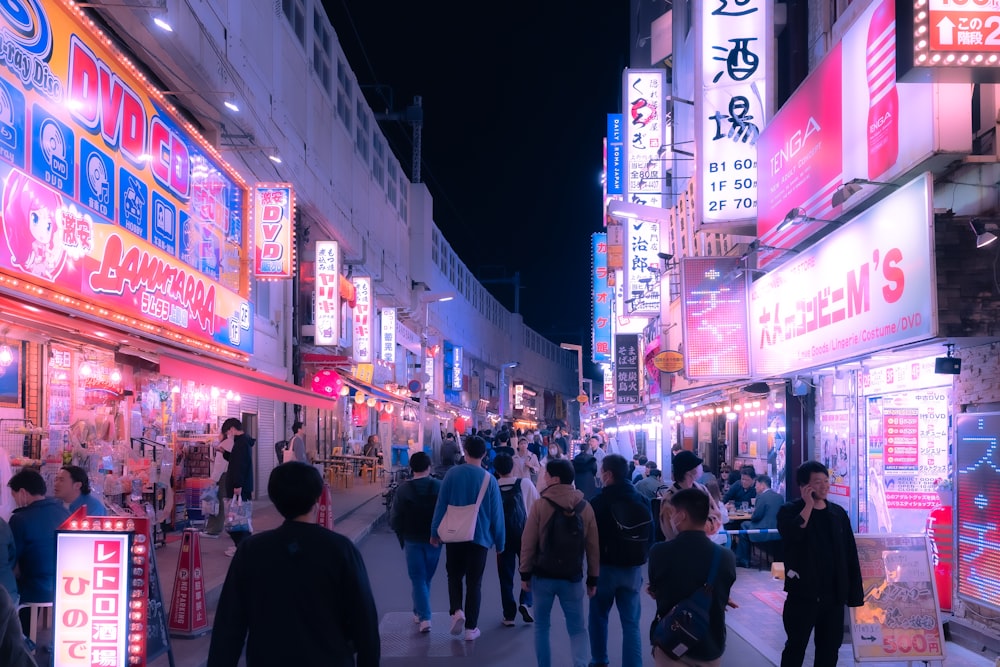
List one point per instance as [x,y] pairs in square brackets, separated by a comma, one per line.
[669,361]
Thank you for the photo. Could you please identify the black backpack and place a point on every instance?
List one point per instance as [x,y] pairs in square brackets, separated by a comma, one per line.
[514,513]
[633,523]
[279,450]
[561,552]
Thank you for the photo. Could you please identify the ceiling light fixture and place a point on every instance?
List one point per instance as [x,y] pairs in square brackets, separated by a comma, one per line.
[231,105]
[162,24]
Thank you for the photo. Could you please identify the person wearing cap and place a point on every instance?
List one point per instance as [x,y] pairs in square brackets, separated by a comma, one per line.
[686,467]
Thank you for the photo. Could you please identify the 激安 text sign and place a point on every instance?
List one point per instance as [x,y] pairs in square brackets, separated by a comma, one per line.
[866,287]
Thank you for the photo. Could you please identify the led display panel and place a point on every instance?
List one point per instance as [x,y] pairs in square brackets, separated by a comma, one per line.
[714,308]
[977,512]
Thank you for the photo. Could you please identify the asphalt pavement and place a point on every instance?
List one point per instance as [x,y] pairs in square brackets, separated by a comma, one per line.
[402,644]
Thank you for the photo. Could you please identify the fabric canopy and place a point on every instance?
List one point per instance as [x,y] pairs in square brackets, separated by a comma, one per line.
[243,380]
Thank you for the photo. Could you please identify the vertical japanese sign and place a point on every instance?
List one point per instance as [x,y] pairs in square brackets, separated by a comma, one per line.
[388,338]
[645,135]
[609,384]
[615,167]
[326,303]
[601,333]
[731,65]
[92,599]
[642,277]
[274,230]
[977,511]
[628,377]
[901,428]
[714,317]
[363,310]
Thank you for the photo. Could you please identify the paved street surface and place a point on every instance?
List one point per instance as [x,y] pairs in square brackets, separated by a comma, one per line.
[755,635]
[403,645]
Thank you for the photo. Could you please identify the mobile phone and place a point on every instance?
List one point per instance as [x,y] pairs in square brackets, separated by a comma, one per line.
[813,493]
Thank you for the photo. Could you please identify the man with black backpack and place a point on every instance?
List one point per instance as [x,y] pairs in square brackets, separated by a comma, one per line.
[559,531]
[411,516]
[517,495]
[625,527]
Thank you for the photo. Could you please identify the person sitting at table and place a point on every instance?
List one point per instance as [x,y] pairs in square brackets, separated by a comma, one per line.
[744,491]
[765,516]
[372,447]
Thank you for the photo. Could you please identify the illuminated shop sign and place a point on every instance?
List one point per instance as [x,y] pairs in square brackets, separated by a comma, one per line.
[108,196]
[615,168]
[456,368]
[642,276]
[949,40]
[731,107]
[274,230]
[646,141]
[851,120]
[628,376]
[603,296]
[362,317]
[977,511]
[609,384]
[714,317]
[388,338]
[102,600]
[518,396]
[326,301]
[867,286]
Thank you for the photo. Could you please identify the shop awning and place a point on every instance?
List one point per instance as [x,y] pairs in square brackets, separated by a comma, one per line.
[243,380]
[370,389]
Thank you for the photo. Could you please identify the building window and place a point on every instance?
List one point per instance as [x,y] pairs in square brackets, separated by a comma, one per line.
[378,160]
[403,189]
[322,61]
[262,298]
[295,12]
[345,94]
[362,139]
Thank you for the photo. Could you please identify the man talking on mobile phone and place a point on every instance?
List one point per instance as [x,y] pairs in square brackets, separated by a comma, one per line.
[822,571]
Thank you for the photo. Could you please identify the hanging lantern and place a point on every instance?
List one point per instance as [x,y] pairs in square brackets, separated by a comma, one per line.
[389,407]
[328,383]
[372,401]
[460,425]
[359,397]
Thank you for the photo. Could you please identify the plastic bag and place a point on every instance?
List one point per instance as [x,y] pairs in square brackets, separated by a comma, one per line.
[238,516]
[210,500]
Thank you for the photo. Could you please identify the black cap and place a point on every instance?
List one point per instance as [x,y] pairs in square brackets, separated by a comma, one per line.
[684,461]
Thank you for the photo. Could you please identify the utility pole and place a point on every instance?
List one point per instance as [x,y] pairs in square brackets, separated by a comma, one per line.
[515,280]
[414,115]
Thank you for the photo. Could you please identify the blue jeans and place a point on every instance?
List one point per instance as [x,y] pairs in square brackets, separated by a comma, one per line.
[621,586]
[421,562]
[570,594]
[506,566]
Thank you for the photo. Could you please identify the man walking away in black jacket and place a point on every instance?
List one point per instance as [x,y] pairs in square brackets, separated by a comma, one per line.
[411,516]
[822,571]
[299,582]
[625,531]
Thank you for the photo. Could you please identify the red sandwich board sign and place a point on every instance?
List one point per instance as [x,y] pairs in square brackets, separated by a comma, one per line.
[188,610]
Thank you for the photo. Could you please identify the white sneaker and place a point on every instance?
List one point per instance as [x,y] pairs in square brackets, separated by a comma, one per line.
[425,626]
[230,552]
[457,622]
[416,619]
[472,634]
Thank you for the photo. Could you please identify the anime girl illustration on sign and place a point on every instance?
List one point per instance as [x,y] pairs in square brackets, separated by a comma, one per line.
[32,227]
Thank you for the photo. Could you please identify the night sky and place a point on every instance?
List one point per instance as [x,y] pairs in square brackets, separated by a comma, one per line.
[515,96]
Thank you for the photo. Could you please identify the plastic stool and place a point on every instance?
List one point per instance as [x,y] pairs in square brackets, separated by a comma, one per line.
[35,610]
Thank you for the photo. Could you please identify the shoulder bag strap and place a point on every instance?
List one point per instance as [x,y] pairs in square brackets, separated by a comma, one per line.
[714,568]
[482,489]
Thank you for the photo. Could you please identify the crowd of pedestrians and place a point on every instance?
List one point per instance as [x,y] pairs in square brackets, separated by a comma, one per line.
[590,530]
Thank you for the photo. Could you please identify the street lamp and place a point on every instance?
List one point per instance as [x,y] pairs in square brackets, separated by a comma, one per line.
[427,299]
[503,390]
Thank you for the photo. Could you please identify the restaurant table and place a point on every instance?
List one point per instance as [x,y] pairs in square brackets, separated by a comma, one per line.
[352,464]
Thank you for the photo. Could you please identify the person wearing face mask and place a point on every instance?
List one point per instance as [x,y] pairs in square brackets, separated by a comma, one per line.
[686,467]
[822,571]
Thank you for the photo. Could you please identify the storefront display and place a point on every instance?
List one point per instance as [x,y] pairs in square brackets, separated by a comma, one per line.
[906,443]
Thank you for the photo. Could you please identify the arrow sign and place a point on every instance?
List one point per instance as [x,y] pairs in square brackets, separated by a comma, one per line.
[946,31]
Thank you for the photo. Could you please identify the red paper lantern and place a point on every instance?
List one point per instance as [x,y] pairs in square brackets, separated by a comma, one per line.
[460,425]
[327,383]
